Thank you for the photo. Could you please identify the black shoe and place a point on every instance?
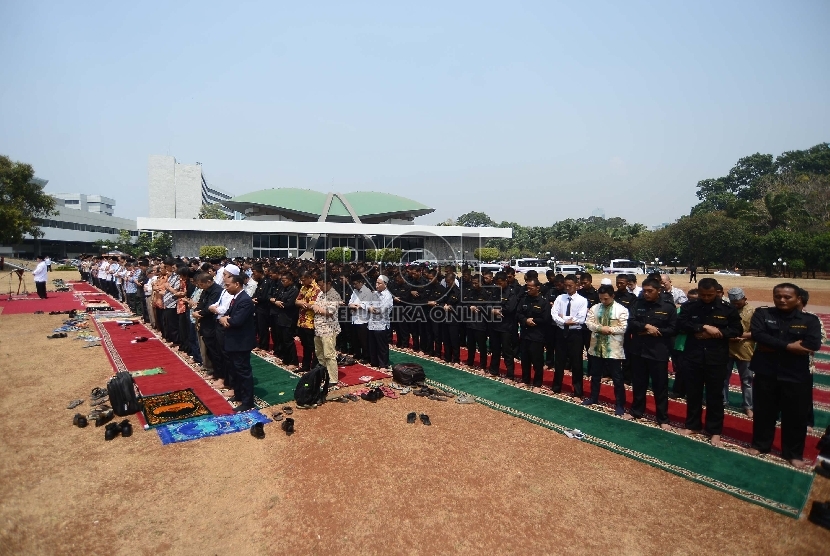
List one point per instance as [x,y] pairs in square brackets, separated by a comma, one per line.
[243,407]
[288,426]
[820,514]
[257,431]
[79,421]
[411,418]
[126,428]
[111,431]
[103,418]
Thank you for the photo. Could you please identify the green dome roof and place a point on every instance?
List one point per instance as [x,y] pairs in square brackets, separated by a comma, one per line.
[308,204]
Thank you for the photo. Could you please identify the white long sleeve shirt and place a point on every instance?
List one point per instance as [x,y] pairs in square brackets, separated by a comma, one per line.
[579,311]
[383,301]
[40,272]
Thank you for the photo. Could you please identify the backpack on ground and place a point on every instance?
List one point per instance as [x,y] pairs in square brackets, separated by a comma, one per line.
[313,387]
[408,374]
[121,390]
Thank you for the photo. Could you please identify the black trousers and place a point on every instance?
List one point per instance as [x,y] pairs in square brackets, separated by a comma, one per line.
[436,338]
[680,373]
[792,400]
[243,378]
[284,346]
[533,355]
[601,367]
[378,348]
[263,324]
[213,353]
[569,347]
[501,347]
[658,371]
[414,331]
[452,342]
[402,332]
[427,337]
[344,338]
[307,341]
[184,331]
[171,325]
[550,345]
[477,341]
[360,339]
[710,377]
[224,372]
[41,289]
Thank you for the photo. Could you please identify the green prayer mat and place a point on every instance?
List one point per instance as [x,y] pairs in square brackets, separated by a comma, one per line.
[148,372]
[767,483]
[272,384]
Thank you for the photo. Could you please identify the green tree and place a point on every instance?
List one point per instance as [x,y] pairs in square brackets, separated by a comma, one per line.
[212,251]
[708,238]
[339,255]
[212,212]
[474,220]
[144,244]
[22,202]
[162,244]
[486,254]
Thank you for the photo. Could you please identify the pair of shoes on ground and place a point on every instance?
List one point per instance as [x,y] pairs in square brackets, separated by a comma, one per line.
[257,431]
[56,335]
[124,428]
[820,514]
[423,416]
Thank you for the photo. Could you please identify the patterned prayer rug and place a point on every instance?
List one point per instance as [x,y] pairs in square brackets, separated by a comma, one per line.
[210,426]
[179,405]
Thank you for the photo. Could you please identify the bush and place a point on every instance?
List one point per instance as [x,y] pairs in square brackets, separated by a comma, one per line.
[212,251]
[392,255]
[65,267]
[339,254]
[486,254]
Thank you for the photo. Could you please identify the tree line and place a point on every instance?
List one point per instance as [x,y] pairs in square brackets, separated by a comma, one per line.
[764,209]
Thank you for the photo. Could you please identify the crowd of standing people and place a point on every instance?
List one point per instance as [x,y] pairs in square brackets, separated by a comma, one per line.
[218,311]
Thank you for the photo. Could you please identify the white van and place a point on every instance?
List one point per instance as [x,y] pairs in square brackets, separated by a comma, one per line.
[523,265]
[569,269]
[625,266]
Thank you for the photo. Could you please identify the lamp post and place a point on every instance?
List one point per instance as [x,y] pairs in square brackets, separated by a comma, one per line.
[781,266]
[675,261]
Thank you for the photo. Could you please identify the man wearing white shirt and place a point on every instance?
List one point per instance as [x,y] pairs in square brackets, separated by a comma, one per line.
[379,310]
[40,277]
[569,313]
[360,316]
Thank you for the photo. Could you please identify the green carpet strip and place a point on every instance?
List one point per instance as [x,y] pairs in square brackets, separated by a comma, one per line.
[760,481]
[272,384]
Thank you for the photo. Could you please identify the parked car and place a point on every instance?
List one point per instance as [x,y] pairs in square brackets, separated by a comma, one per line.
[568,268]
[727,272]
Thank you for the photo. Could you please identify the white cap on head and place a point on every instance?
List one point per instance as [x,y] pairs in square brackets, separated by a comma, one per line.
[232,269]
[607,282]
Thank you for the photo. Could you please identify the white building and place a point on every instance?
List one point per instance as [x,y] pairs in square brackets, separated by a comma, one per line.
[179,190]
[80,221]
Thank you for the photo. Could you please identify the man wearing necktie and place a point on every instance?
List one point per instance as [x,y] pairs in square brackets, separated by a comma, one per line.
[569,313]
[240,338]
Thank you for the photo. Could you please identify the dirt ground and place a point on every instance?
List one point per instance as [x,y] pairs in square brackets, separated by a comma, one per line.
[354,478]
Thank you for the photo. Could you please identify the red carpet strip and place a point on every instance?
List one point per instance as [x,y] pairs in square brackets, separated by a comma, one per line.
[127,356]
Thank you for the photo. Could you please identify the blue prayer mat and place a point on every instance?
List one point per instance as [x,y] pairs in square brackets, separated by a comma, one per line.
[210,426]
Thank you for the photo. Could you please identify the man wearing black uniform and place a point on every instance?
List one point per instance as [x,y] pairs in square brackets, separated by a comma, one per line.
[785,337]
[534,314]
[433,291]
[476,301]
[450,301]
[344,290]
[709,323]
[284,319]
[417,299]
[502,328]
[550,291]
[207,321]
[652,322]
[262,306]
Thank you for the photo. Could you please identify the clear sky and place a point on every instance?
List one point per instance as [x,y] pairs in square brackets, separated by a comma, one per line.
[529,111]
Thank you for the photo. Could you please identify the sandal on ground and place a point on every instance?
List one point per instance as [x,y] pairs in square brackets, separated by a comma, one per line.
[288,410]
[74,403]
[277,416]
[57,335]
[411,418]
[465,399]
[425,419]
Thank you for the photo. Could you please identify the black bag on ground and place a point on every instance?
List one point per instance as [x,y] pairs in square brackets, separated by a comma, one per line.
[121,390]
[408,374]
[313,387]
